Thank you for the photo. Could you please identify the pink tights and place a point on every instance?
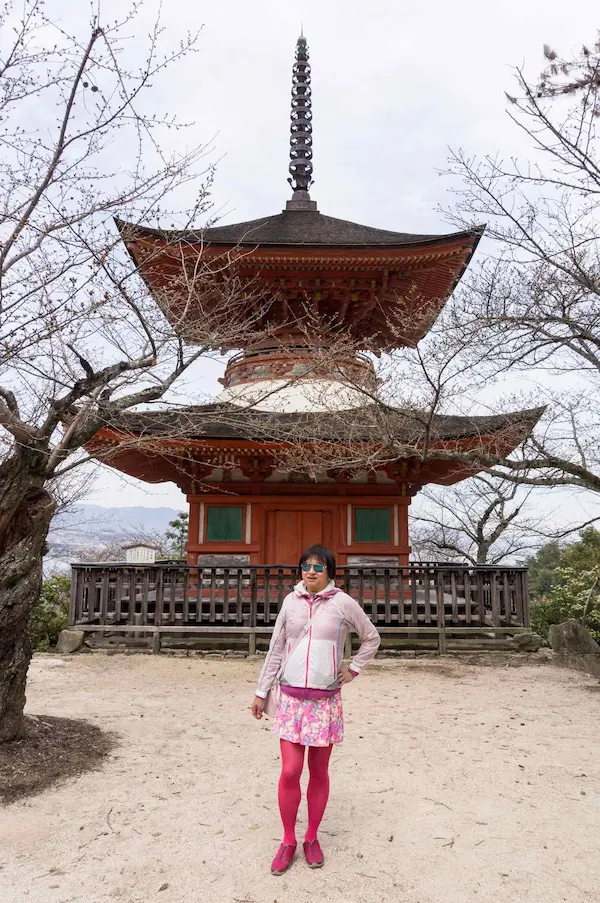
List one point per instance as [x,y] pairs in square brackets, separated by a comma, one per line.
[292,763]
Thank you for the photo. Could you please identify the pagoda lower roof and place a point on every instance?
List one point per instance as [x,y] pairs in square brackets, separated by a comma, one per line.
[186,445]
[227,421]
[300,227]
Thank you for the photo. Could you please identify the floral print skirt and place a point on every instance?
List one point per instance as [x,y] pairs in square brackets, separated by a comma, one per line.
[310,722]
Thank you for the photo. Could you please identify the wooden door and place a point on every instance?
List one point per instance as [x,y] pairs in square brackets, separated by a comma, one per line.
[290,531]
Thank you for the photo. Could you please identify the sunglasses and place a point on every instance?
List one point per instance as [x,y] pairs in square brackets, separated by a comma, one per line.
[317,568]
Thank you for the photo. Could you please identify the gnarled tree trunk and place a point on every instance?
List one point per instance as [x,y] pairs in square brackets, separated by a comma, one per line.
[26,509]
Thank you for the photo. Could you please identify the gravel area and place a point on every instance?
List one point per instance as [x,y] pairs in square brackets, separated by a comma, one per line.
[455,783]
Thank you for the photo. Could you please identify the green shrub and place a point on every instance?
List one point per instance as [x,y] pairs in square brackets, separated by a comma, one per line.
[567,599]
[544,612]
[50,613]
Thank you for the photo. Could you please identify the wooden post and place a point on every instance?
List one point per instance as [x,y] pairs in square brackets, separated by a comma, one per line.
[118,596]
[185,597]
[159,596]
[267,598]
[467,589]
[173,573]
[253,597]
[387,596]
[252,642]
[414,610]
[145,589]
[156,643]
[74,596]
[239,611]
[442,641]
[427,594]
[213,595]
[480,596]
[132,595]
[400,576]
[454,596]
[525,592]
[104,596]
[495,599]
[225,596]
[440,602]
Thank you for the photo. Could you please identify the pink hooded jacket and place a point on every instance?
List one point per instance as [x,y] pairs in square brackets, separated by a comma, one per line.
[323,620]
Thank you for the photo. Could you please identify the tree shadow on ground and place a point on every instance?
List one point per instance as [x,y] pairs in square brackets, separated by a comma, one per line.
[50,751]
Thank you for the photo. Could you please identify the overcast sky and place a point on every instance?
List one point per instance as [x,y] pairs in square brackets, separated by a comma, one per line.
[394,86]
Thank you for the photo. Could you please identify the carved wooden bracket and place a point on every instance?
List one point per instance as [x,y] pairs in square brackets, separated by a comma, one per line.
[406,470]
[256,469]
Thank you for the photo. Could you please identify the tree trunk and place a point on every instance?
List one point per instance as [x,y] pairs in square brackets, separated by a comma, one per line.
[482,553]
[26,510]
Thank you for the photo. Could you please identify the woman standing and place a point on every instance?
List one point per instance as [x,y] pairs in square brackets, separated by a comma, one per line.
[306,653]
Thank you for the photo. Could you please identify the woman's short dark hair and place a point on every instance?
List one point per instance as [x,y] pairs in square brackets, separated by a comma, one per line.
[324,555]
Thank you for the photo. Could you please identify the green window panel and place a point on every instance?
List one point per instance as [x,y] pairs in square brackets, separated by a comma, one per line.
[372,525]
[224,523]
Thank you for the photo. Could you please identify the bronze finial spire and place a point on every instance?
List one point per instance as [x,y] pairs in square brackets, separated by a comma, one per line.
[301,167]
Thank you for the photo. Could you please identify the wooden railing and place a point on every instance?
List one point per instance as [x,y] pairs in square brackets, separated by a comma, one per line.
[175,596]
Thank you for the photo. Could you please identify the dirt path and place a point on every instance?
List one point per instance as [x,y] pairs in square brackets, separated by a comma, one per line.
[455,783]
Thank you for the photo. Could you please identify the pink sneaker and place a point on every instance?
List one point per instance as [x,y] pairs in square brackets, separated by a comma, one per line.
[313,854]
[283,859]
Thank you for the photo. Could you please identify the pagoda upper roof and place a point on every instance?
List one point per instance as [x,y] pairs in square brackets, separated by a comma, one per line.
[385,288]
[307,228]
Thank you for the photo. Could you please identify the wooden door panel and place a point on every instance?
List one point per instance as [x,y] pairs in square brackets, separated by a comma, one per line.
[312,529]
[286,526]
[291,531]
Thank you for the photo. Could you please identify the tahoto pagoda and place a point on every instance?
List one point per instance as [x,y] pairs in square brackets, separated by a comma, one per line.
[244,504]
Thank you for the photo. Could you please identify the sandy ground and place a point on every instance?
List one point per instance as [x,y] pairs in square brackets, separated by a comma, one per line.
[455,783]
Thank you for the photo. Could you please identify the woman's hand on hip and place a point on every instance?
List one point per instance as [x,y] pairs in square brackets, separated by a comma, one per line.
[257,707]
[347,677]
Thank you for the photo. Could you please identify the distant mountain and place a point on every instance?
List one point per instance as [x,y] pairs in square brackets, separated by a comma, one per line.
[97,518]
[85,526]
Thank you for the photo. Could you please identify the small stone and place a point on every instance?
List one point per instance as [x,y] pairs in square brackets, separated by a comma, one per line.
[163,886]
[70,641]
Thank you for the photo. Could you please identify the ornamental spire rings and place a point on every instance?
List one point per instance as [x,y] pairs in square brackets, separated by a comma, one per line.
[301,167]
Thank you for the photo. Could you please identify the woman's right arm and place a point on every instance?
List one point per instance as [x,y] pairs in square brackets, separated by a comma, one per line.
[274,656]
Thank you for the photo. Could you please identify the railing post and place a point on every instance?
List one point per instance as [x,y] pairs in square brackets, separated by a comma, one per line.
[426,580]
[104,596]
[253,615]
[441,612]
[253,598]
[73,600]
[158,605]
[495,600]
[442,640]
[267,597]
[522,596]
[133,574]
[480,596]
